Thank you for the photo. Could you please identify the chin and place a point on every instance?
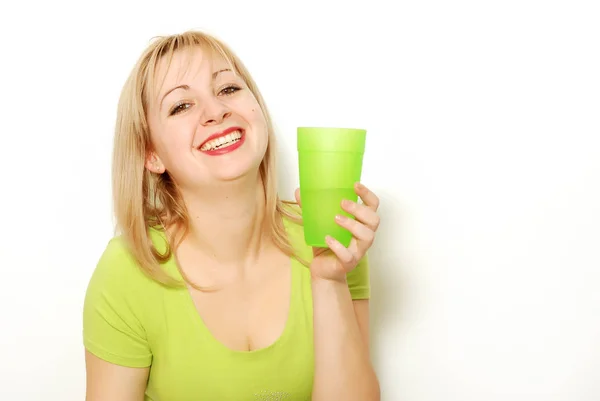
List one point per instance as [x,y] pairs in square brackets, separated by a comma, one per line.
[238,171]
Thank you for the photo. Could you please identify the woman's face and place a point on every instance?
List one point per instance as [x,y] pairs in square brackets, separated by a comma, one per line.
[206,125]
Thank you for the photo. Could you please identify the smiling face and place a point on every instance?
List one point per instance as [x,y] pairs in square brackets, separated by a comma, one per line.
[206,125]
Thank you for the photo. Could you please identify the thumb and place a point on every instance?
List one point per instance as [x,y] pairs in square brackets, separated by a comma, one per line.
[297,195]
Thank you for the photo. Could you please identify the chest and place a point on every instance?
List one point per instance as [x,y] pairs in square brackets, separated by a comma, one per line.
[201,354]
[247,314]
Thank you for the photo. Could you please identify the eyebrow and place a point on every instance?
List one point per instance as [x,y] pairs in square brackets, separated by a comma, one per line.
[187,87]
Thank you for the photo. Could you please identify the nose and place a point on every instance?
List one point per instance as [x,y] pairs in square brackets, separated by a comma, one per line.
[215,112]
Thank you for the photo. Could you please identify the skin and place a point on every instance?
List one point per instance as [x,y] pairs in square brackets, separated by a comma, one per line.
[227,247]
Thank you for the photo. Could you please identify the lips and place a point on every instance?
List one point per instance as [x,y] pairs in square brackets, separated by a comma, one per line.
[221,136]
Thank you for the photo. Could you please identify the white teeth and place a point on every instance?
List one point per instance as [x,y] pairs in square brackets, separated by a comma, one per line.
[222,142]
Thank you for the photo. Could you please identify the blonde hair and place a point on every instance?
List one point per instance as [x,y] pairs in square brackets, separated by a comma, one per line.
[143,200]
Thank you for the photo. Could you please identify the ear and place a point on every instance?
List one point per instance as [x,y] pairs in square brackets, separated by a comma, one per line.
[154,164]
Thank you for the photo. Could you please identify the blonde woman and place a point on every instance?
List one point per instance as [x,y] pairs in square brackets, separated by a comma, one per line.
[208,291]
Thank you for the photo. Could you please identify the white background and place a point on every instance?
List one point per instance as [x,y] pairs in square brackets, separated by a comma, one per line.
[483,144]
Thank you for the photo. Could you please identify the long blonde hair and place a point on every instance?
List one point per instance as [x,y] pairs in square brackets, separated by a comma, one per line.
[143,200]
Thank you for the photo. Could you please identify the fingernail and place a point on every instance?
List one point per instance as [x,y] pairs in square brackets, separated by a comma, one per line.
[339,217]
[346,203]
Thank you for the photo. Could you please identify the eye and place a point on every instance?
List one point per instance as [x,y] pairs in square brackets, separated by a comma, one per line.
[229,90]
[180,107]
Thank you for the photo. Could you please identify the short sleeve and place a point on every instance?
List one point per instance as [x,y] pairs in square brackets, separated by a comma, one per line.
[359,281]
[112,328]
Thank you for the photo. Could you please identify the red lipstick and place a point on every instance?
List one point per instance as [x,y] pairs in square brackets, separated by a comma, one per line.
[225,148]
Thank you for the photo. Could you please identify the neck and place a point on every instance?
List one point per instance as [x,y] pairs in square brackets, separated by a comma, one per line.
[227,221]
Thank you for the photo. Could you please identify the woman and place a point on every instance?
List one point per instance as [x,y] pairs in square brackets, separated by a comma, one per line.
[209,292]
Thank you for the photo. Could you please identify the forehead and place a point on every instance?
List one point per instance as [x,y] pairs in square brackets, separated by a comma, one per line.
[185,65]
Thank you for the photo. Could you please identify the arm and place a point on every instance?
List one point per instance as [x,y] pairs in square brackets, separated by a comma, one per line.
[117,353]
[343,369]
[108,382]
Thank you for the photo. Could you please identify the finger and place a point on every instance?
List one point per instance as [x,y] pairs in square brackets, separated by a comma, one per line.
[367,196]
[361,232]
[297,195]
[363,213]
[342,253]
[317,251]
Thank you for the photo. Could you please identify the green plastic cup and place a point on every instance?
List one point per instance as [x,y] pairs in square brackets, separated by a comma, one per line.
[330,163]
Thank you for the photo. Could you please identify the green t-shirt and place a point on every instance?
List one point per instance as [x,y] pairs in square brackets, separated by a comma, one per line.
[131,320]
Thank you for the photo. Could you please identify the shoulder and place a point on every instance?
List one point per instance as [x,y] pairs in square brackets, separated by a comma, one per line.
[118,286]
[117,276]
[117,262]
[117,308]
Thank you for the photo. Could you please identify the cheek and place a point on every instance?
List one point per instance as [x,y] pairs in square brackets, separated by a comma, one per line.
[258,117]
[177,137]
[250,103]
[171,149]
